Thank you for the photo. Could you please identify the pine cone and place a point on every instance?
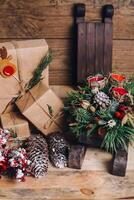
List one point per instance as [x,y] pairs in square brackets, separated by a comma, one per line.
[37,150]
[58,150]
[102,100]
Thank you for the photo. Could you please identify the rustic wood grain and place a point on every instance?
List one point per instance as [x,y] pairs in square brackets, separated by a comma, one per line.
[92,182]
[81,52]
[90,48]
[74,185]
[62,64]
[27,19]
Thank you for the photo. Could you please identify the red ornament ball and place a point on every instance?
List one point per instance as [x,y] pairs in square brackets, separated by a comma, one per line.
[8,71]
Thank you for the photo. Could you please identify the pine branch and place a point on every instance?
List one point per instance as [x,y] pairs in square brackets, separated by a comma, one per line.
[104,114]
[118,138]
[81,116]
[37,75]
[74,97]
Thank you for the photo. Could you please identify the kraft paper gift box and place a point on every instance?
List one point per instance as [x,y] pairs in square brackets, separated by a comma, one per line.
[26,56]
[16,123]
[42,108]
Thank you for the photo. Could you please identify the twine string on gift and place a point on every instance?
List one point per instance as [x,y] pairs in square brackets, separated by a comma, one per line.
[15,128]
[52,118]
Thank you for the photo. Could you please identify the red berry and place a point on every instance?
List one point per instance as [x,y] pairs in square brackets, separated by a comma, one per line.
[119,115]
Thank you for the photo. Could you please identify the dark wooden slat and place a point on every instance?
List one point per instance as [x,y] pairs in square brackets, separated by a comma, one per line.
[76,156]
[90,48]
[99,52]
[108,48]
[120,163]
[81,52]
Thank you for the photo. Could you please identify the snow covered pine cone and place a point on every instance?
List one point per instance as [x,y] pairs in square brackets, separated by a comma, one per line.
[37,151]
[58,150]
[102,100]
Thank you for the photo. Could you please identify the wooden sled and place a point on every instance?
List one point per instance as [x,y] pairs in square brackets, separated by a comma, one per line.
[94,55]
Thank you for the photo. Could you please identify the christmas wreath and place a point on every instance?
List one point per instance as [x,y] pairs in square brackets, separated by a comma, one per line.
[103,106]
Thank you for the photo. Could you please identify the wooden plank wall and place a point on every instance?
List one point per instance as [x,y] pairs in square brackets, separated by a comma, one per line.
[53,20]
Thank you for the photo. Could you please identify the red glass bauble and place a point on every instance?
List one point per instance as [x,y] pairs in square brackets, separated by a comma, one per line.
[8,71]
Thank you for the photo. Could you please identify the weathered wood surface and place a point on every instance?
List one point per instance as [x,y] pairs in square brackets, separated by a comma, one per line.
[94,43]
[92,182]
[54,19]
[61,66]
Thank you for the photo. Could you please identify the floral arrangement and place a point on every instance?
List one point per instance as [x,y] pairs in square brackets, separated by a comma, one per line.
[13,159]
[103,106]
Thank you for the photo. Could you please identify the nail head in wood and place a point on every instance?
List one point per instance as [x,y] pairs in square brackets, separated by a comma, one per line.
[76,156]
[120,163]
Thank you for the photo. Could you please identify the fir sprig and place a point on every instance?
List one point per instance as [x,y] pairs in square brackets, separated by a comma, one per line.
[74,98]
[117,138]
[37,75]
[129,86]
[81,116]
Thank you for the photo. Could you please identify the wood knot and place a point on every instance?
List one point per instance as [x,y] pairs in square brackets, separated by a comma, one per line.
[86,191]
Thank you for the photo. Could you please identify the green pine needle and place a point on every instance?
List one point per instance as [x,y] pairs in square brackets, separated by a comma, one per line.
[37,75]
[81,116]
[117,138]
[74,98]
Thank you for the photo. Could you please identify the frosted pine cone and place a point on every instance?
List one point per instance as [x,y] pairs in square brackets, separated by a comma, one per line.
[37,150]
[58,150]
[102,100]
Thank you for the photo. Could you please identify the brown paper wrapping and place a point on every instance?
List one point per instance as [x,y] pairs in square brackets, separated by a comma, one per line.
[34,106]
[26,55]
[9,87]
[16,123]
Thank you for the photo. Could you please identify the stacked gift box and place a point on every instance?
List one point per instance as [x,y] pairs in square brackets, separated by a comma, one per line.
[25,97]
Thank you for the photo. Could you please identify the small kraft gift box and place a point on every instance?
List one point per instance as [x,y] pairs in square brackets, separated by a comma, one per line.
[16,123]
[18,61]
[42,108]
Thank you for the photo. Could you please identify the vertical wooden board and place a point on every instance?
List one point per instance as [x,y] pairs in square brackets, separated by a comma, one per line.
[99,48]
[81,52]
[90,48]
[108,47]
